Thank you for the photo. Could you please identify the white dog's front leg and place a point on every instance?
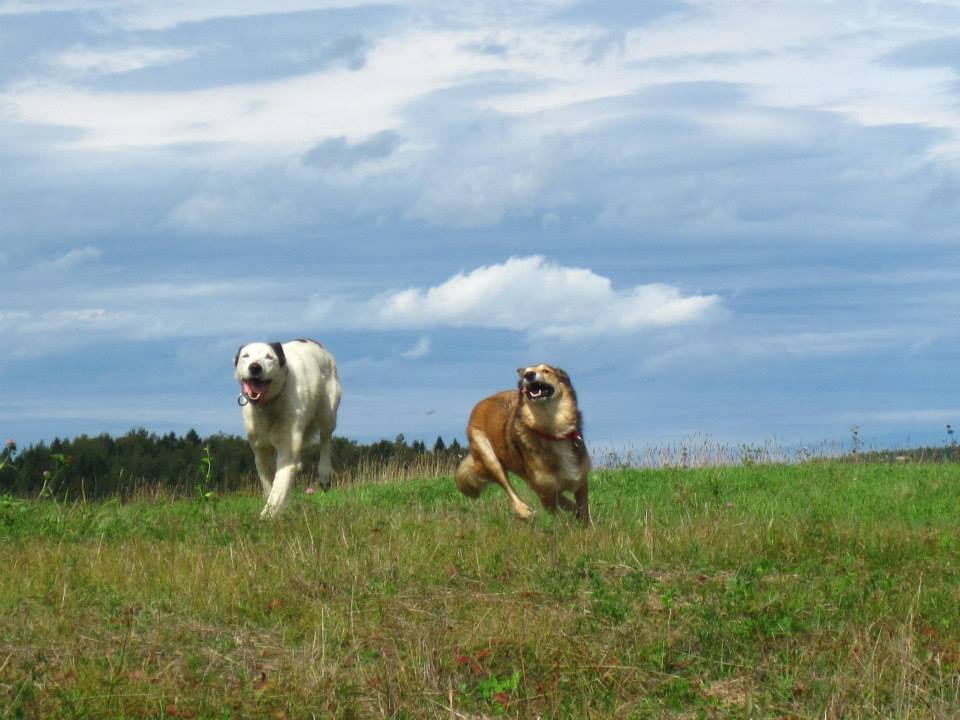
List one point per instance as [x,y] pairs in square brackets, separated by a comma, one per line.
[265,458]
[288,465]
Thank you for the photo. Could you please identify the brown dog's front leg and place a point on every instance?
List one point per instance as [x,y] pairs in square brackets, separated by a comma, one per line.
[551,500]
[583,504]
[486,455]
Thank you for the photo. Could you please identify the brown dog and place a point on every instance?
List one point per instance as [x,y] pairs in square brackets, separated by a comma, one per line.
[535,432]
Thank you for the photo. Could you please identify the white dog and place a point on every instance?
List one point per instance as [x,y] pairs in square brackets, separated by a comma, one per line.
[290,394]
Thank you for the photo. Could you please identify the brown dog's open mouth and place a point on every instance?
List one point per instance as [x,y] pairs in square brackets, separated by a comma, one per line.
[538,390]
[255,390]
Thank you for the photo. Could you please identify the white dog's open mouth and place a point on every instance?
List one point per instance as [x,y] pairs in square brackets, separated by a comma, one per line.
[255,390]
[538,390]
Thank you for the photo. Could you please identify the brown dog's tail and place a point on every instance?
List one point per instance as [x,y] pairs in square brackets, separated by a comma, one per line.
[470,477]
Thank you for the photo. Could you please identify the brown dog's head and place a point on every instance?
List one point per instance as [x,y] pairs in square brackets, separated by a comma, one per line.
[544,384]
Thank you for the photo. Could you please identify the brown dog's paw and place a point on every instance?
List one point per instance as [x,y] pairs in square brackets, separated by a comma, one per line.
[522,511]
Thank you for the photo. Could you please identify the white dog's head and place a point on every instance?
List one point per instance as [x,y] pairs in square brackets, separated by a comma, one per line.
[261,369]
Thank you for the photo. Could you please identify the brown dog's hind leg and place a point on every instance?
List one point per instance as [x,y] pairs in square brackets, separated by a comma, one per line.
[480,444]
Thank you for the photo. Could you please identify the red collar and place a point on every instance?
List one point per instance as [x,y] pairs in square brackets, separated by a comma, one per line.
[574,435]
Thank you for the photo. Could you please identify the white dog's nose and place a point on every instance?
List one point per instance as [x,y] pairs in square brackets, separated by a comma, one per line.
[255,368]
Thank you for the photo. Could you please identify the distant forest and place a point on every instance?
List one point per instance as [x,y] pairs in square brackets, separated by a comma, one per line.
[106,466]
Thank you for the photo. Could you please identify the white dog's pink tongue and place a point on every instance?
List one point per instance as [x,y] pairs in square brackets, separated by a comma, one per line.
[250,392]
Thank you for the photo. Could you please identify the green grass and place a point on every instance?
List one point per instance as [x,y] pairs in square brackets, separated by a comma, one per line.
[810,591]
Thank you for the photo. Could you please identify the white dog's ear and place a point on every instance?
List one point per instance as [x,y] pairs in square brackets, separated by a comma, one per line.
[278,349]
[236,358]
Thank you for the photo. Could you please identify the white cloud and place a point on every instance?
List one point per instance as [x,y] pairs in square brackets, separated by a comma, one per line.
[119,61]
[85,319]
[201,212]
[530,295]
[149,293]
[167,14]
[899,417]
[12,318]
[152,15]
[24,7]
[481,194]
[291,113]
[71,259]
[827,342]
[421,349]
[43,320]
[131,410]
[504,134]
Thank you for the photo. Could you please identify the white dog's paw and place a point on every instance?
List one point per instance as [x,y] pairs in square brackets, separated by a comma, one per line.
[269,511]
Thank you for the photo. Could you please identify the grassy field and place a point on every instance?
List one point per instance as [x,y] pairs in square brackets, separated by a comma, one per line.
[821,590]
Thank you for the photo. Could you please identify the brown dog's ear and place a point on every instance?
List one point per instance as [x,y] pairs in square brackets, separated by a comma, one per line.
[236,358]
[278,349]
[562,374]
[520,371]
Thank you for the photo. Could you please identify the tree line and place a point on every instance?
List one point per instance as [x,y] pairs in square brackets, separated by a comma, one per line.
[106,466]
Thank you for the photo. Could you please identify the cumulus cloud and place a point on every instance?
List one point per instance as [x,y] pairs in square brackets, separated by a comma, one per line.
[529,295]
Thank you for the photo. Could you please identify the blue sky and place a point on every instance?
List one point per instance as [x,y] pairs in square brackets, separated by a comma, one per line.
[730,218]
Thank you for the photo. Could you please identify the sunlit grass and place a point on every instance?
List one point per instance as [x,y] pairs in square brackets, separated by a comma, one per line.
[809,590]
